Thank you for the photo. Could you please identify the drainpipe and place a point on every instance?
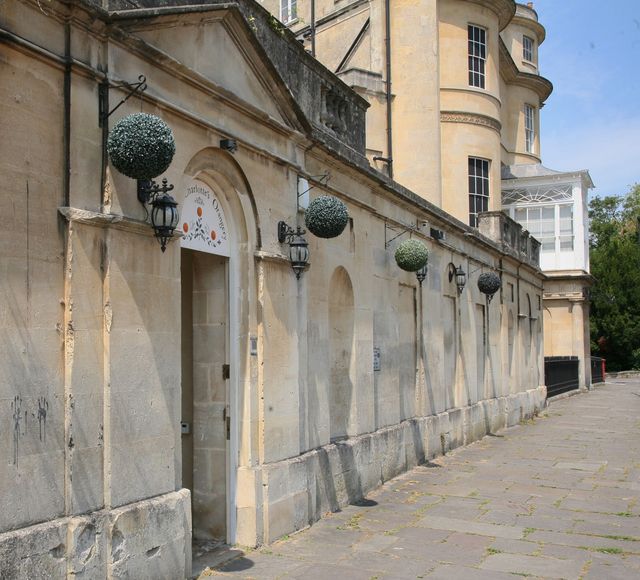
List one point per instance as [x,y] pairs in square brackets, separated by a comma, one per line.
[387,17]
[313,28]
[66,175]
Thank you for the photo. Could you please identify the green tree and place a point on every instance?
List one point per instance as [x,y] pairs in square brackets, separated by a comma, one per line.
[614,246]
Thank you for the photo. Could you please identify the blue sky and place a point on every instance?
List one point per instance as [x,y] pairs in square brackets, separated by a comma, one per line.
[592,118]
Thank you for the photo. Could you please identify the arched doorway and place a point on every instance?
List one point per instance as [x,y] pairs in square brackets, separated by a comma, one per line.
[220,232]
[206,413]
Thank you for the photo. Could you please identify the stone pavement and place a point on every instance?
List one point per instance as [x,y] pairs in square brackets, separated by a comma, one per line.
[556,497]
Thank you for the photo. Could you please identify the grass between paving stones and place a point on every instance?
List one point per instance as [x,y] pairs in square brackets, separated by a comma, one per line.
[492,551]
[585,569]
[414,496]
[353,523]
[603,550]
[606,536]
[625,538]
[527,532]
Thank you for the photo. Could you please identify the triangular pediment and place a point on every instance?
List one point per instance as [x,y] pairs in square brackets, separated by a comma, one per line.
[217,45]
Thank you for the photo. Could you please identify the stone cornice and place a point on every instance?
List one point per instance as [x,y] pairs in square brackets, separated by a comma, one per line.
[532,25]
[514,76]
[110,220]
[470,119]
[575,297]
[505,10]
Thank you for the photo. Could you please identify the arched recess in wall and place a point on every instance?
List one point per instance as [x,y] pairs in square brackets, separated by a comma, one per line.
[537,340]
[226,181]
[341,354]
[529,331]
[511,341]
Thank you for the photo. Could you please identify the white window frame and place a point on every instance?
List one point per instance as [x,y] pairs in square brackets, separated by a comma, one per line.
[530,128]
[477,55]
[479,192]
[551,238]
[528,49]
[288,11]
[558,236]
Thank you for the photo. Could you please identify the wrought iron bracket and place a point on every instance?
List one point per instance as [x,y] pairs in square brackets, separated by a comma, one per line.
[322,179]
[147,190]
[393,229]
[103,96]
[286,232]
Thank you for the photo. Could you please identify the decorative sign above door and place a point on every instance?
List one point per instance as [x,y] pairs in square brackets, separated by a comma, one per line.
[203,224]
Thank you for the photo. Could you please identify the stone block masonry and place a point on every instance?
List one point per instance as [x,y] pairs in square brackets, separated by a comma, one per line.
[299,491]
[552,498]
[146,539]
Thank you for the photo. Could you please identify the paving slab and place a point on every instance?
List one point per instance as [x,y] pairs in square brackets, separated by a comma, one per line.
[556,497]
[542,566]
[450,572]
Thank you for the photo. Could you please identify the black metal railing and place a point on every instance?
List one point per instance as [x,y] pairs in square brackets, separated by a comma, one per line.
[561,374]
[597,370]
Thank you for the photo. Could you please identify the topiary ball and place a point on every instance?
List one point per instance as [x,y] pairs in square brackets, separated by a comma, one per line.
[411,255]
[141,146]
[489,283]
[326,217]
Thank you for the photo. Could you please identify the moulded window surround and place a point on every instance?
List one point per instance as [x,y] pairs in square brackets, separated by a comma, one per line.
[288,11]
[529,129]
[477,49]
[528,49]
[478,188]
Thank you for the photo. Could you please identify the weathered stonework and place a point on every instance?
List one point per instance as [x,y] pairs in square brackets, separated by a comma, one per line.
[145,540]
[132,378]
[302,489]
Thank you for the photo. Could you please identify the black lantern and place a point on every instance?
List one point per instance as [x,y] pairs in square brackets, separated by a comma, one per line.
[298,247]
[164,209]
[421,274]
[460,276]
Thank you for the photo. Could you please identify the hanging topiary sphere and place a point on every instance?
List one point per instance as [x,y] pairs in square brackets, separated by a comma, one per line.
[141,146]
[326,216]
[489,283]
[411,255]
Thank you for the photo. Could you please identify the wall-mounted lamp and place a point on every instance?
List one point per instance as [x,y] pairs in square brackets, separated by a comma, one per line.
[421,274]
[460,276]
[298,246]
[229,145]
[164,209]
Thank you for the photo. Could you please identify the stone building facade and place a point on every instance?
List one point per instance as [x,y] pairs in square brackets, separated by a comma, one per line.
[149,398]
[456,92]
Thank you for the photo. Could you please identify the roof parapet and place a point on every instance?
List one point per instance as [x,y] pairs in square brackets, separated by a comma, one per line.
[330,106]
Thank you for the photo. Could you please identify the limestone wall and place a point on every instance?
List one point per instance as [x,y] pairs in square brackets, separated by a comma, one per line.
[33,434]
[513,134]
[90,406]
[566,315]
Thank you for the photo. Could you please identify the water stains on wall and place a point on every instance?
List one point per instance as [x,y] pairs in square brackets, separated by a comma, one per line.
[20,421]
